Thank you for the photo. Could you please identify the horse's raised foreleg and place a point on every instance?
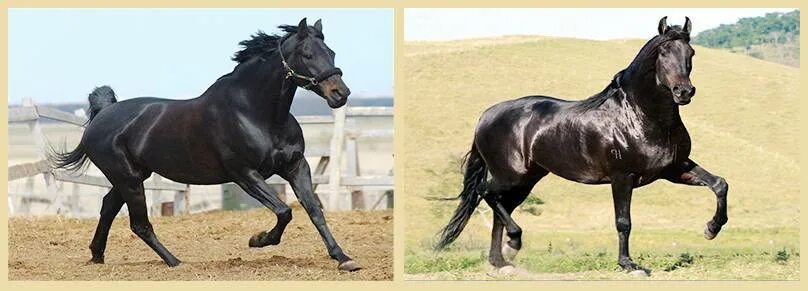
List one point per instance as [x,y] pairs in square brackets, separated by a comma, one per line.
[253,184]
[689,173]
[622,187]
[300,180]
[109,209]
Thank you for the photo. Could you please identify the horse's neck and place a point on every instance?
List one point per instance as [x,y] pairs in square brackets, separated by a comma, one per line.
[653,105]
[259,90]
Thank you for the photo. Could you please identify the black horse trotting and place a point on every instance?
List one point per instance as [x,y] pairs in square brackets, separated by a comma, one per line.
[628,135]
[239,130]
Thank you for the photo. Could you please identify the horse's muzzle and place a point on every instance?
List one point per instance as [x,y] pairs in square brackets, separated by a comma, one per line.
[683,94]
[338,97]
[334,91]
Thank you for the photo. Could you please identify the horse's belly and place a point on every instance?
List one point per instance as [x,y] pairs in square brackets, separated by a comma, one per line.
[190,165]
[195,177]
[585,175]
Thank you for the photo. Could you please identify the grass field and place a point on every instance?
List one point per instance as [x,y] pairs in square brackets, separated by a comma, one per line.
[743,122]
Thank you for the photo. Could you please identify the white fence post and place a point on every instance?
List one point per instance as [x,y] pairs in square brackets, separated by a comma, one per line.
[335,175]
[157,199]
[352,168]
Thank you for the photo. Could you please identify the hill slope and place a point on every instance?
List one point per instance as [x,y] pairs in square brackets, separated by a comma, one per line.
[774,37]
[743,122]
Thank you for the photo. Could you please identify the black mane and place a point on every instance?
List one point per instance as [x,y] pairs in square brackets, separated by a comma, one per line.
[648,51]
[261,43]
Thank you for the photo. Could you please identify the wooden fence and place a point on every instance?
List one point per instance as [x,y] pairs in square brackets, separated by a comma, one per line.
[343,144]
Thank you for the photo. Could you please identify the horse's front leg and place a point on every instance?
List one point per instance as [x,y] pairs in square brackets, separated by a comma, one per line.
[300,179]
[622,187]
[253,184]
[690,173]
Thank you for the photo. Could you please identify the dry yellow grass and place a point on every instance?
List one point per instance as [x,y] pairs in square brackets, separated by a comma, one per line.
[743,122]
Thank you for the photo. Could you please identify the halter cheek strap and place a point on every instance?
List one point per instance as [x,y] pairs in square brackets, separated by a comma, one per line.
[309,81]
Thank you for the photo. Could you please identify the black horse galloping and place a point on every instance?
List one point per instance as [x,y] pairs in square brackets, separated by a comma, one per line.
[239,130]
[628,135]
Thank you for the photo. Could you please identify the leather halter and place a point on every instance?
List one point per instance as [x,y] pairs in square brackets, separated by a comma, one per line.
[310,81]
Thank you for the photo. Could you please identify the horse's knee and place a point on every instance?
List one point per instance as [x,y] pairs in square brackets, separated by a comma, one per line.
[142,230]
[720,187]
[514,232]
[623,224]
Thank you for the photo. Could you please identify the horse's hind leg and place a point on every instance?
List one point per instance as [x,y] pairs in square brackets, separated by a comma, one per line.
[495,257]
[502,206]
[503,200]
[689,173]
[139,221]
[253,183]
[109,209]
[127,183]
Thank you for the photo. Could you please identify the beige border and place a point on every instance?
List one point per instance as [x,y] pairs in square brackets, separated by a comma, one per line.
[397,284]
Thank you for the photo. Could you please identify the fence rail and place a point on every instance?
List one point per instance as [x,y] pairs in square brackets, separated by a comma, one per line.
[343,141]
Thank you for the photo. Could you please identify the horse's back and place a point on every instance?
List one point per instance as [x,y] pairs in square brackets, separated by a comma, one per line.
[138,128]
[127,115]
[505,130]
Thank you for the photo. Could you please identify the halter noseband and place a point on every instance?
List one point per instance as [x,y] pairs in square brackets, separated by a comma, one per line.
[310,81]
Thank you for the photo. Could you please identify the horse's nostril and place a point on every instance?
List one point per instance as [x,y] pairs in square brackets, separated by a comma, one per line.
[341,92]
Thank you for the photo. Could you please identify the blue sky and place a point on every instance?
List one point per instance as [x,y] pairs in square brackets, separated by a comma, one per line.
[60,55]
[589,23]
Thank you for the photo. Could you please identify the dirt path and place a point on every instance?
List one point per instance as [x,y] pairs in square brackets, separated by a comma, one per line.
[212,246]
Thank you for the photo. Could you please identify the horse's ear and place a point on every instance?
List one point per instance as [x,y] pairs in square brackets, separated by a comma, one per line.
[319,25]
[663,25]
[688,25]
[302,28]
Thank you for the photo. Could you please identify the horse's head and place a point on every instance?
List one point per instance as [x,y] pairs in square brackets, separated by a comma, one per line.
[674,61]
[310,63]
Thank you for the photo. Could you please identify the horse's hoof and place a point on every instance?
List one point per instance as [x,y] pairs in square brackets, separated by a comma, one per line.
[255,240]
[509,253]
[507,270]
[709,235]
[349,266]
[96,260]
[173,263]
[639,273]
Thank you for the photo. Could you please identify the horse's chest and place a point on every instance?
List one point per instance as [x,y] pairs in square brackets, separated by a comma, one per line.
[279,154]
[645,161]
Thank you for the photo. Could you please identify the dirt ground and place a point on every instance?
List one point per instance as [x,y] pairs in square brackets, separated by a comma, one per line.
[212,246]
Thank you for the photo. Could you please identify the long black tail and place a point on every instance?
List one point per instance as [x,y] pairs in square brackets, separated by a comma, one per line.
[473,189]
[76,160]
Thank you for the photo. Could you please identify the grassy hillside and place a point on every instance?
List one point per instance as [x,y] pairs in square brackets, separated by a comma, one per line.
[743,122]
[774,37]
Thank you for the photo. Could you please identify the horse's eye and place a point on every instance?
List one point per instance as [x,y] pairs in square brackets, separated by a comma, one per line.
[308,56]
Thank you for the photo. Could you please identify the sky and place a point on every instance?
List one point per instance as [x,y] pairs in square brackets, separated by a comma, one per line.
[590,23]
[60,55]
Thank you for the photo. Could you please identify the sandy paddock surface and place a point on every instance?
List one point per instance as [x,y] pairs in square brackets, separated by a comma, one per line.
[212,246]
